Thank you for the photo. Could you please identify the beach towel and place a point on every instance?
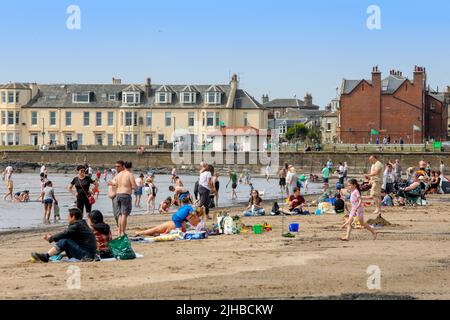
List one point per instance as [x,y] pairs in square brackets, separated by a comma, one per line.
[61,258]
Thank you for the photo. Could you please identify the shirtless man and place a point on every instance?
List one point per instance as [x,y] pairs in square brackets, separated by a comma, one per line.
[282,175]
[125,183]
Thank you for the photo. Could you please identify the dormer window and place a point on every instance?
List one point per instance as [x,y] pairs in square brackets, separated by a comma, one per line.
[164,95]
[81,97]
[213,98]
[214,95]
[112,97]
[131,98]
[189,97]
[163,98]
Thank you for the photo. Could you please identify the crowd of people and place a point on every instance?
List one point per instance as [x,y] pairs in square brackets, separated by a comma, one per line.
[384,186]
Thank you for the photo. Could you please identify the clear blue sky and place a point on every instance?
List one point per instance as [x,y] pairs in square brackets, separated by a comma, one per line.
[283,48]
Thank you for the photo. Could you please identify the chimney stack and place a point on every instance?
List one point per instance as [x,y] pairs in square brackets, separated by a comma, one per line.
[265,98]
[308,100]
[148,87]
[420,76]
[376,77]
[116,81]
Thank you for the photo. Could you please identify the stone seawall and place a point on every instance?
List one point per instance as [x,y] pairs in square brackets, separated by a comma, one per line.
[162,160]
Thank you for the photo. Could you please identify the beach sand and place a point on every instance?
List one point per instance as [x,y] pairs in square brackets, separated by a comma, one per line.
[413,255]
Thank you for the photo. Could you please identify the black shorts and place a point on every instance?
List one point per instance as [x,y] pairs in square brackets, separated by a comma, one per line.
[233,185]
[282,182]
[124,204]
[326,180]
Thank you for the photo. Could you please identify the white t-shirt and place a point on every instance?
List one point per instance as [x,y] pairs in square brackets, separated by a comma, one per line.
[203,181]
[48,192]
[42,169]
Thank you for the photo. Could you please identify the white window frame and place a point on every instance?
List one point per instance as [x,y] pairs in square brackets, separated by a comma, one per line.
[217,97]
[110,123]
[135,98]
[35,118]
[75,97]
[167,98]
[113,95]
[192,97]
[50,118]
[149,116]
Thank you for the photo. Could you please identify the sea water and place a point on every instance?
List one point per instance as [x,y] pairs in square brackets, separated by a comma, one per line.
[15,215]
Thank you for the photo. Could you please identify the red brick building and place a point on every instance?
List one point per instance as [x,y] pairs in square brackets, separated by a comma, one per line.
[395,106]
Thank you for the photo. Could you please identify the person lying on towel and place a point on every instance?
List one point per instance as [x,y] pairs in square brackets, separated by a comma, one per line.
[186,214]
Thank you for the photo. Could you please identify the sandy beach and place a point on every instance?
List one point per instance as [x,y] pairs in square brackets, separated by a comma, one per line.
[413,256]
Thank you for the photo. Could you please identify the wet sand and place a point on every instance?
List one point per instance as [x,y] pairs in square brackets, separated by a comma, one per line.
[413,257]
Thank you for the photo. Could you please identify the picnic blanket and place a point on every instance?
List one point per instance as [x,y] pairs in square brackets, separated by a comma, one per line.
[61,258]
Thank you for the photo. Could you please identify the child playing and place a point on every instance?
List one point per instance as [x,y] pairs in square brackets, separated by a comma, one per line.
[48,198]
[164,207]
[102,232]
[96,189]
[387,199]
[77,241]
[357,211]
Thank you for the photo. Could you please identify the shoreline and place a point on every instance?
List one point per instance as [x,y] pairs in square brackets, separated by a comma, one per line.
[247,266]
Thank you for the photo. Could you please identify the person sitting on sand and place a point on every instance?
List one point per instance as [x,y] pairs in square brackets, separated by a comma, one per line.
[387,199]
[186,214]
[357,211]
[164,207]
[102,232]
[77,241]
[296,203]
[412,191]
[254,207]
[340,205]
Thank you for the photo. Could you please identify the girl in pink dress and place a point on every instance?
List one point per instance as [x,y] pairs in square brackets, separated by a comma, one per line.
[357,211]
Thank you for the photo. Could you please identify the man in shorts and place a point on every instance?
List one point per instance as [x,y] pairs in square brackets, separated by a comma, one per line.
[376,178]
[282,175]
[125,183]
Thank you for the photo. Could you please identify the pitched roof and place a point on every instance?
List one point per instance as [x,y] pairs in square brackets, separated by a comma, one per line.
[165,88]
[438,96]
[60,96]
[190,88]
[133,88]
[288,103]
[15,86]
[389,85]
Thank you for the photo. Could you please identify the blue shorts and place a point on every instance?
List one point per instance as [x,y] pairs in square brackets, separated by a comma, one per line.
[138,191]
[48,201]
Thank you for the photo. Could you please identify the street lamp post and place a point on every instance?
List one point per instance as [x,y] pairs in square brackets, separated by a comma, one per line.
[43,132]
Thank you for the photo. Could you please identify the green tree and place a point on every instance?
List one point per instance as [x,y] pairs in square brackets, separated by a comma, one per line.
[299,132]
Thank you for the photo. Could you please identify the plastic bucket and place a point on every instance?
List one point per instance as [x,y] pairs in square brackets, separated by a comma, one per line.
[293,227]
[257,229]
